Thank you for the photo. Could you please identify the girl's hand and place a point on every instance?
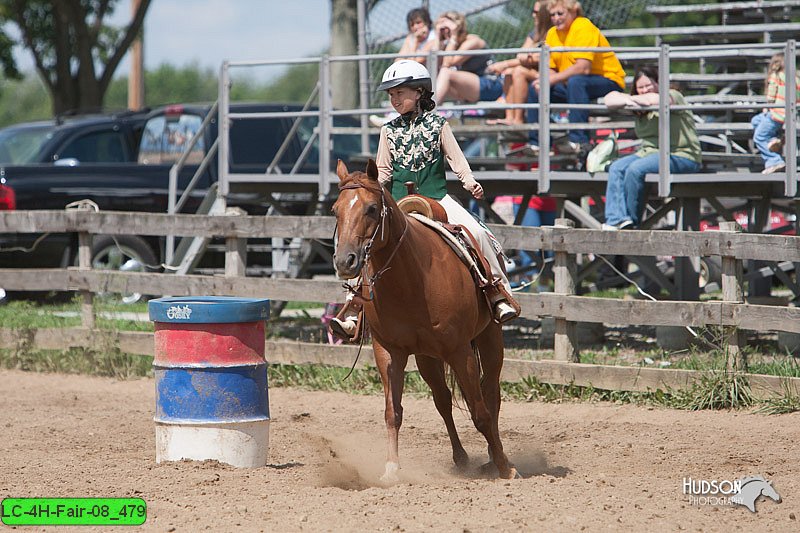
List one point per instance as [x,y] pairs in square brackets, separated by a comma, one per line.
[476,190]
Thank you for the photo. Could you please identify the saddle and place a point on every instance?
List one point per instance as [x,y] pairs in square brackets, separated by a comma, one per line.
[431,213]
[427,207]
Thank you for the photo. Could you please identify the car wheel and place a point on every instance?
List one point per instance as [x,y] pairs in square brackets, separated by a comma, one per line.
[710,270]
[125,253]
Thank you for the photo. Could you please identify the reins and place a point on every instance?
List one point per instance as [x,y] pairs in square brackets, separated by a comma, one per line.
[371,280]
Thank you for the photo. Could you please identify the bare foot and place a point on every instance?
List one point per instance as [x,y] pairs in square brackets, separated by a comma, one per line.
[502,122]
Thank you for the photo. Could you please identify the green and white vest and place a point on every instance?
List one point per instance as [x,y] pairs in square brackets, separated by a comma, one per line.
[416,151]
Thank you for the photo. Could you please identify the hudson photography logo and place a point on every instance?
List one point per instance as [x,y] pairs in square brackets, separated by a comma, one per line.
[724,492]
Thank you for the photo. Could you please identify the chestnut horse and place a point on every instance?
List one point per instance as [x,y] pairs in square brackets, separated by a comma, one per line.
[420,300]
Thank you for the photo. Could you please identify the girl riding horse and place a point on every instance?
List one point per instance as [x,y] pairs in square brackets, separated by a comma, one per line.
[413,148]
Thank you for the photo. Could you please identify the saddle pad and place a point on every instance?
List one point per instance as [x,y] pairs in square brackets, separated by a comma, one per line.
[457,246]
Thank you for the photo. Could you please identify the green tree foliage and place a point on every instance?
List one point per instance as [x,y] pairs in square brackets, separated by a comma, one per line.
[74,52]
[23,100]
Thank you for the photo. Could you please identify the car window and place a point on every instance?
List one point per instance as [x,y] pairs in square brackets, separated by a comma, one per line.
[165,138]
[21,146]
[96,147]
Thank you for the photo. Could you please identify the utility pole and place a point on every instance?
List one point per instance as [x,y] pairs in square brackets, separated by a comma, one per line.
[136,76]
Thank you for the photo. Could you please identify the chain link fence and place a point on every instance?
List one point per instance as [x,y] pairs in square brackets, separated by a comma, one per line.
[501,23]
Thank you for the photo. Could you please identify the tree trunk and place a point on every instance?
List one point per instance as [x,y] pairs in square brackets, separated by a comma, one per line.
[344,41]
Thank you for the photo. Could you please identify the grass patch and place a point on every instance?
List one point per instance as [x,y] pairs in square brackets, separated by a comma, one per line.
[788,402]
[331,378]
[108,363]
[715,390]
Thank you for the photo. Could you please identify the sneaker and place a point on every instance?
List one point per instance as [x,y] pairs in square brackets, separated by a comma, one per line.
[513,136]
[503,311]
[625,224]
[609,227]
[566,147]
[774,168]
[775,145]
[532,149]
[344,329]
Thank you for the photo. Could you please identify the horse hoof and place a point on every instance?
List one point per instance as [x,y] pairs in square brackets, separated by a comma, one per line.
[389,476]
[461,460]
[513,473]
[488,469]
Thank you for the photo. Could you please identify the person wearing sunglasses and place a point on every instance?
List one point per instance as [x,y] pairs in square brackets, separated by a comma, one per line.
[575,77]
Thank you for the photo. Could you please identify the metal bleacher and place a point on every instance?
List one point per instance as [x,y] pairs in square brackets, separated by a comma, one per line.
[719,68]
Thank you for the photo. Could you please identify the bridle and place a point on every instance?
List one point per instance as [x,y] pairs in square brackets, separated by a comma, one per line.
[382,223]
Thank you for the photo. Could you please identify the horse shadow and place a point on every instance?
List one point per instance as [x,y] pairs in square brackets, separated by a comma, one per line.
[528,465]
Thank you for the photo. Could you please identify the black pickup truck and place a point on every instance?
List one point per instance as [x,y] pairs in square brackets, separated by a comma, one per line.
[122,162]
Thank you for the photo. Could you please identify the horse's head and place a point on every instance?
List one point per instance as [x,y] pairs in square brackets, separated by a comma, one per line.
[360,211]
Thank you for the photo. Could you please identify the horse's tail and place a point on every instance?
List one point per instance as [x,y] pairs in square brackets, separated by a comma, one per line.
[454,385]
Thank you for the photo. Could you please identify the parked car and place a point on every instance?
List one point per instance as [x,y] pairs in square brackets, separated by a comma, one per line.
[122,162]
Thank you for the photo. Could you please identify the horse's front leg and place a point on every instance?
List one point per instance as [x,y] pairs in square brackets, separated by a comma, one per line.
[392,368]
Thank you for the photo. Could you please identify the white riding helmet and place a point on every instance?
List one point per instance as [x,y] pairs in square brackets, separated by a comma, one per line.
[408,73]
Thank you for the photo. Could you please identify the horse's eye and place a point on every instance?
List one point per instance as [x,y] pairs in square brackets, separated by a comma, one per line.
[372,210]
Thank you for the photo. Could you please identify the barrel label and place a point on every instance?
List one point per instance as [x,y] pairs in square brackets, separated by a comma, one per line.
[176,312]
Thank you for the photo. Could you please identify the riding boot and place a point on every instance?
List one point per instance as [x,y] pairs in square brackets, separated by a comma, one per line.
[347,324]
[504,306]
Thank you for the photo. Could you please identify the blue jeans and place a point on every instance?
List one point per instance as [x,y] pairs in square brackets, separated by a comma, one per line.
[534,218]
[625,187]
[580,89]
[764,129]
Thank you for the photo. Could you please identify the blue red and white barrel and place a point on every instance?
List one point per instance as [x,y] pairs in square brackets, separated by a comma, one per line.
[212,398]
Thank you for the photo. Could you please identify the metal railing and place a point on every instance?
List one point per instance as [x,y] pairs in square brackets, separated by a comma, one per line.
[665,55]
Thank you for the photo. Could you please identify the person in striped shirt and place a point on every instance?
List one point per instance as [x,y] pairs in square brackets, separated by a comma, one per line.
[768,125]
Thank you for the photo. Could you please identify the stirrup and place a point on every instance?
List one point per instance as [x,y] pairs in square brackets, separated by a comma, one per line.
[343,329]
[503,311]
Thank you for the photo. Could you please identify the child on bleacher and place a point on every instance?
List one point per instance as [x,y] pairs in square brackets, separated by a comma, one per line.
[768,125]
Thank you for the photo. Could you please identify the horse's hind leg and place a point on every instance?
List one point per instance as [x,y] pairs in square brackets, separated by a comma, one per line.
[490,347]
[465,365]
[432,371]
[392,370]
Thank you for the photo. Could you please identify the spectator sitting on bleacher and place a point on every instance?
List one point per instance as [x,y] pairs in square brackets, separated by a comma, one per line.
[575,77]
[520,71]
[768,125]
[420,38]
[625,189]
[463,77]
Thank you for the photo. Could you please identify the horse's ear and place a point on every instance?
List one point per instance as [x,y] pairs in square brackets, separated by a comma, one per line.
[372,169]
[341,170]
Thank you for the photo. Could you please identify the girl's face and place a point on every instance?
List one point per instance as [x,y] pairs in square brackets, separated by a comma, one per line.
[561,17]
[404,99]
[646,85]
[420,29]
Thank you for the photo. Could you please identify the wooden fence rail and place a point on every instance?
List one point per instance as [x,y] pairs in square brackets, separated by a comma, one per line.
[605,377]
[732,313]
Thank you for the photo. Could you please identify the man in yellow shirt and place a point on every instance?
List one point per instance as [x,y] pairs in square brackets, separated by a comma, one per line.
[575,77]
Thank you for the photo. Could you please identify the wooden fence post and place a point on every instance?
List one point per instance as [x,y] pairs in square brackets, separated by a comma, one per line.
[85,263]
[733,291]
[235,250]
[564,272]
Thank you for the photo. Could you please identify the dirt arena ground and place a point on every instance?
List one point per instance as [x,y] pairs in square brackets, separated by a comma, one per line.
[586,467]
